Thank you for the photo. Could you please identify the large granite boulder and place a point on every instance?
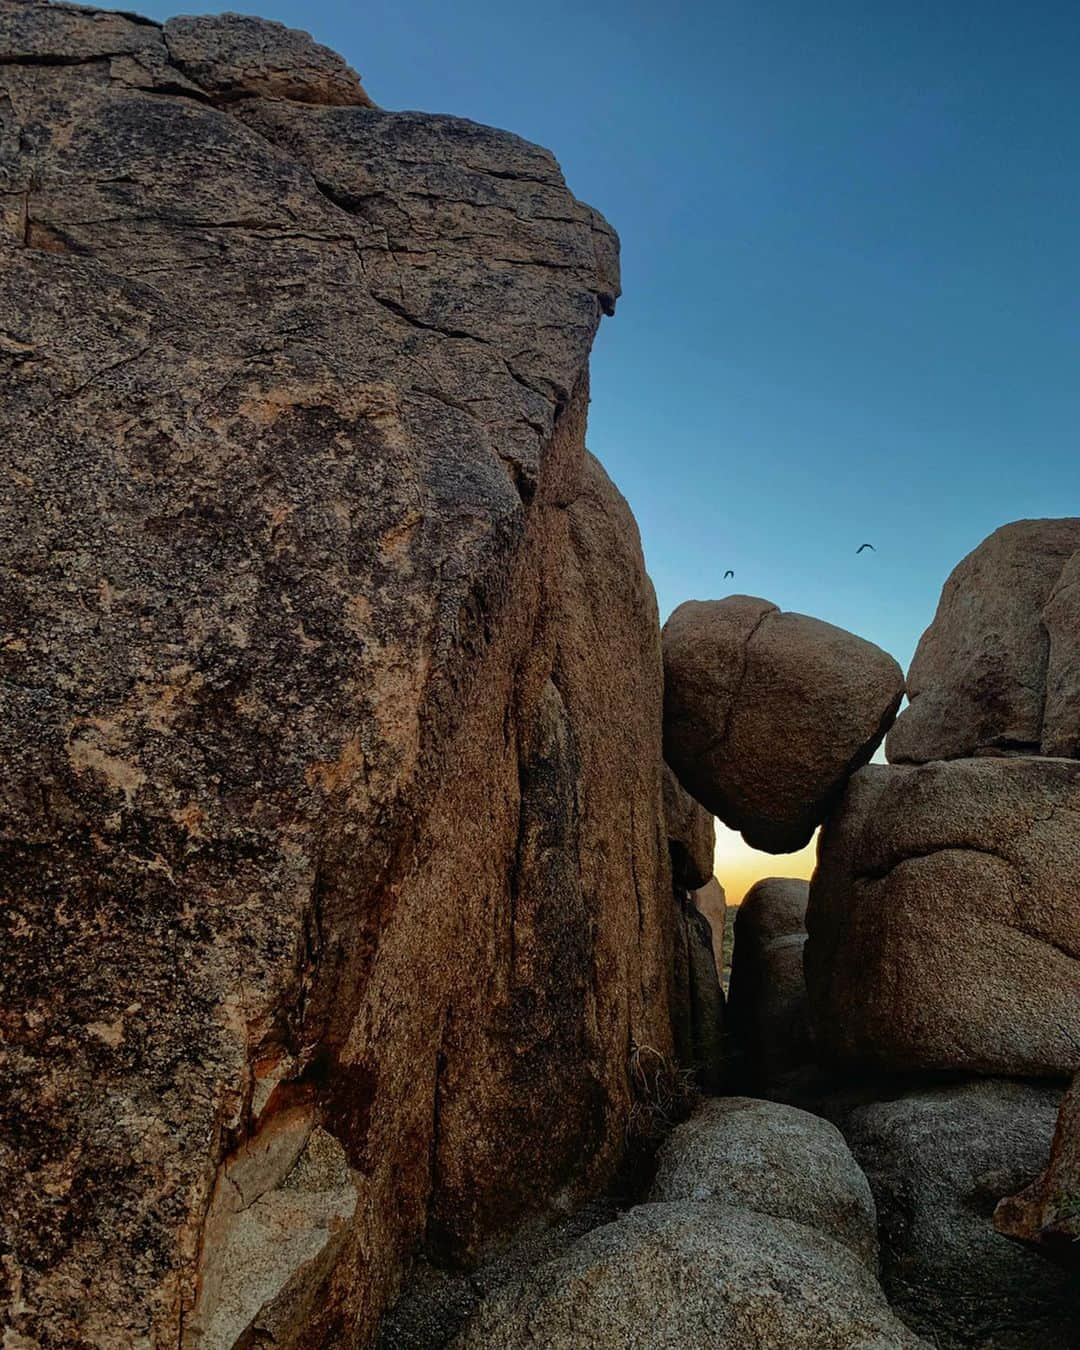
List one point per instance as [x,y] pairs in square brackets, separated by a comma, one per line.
[335,884]
[996,670]
[767,995]
[773,1159]
[693,1274]
[691,835]
[766,714]
[944,919]
[1047,1213]
[938,1160]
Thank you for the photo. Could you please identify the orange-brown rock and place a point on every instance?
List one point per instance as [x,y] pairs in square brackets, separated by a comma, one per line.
[711,901]
[1047,1213]
[691,835]
[995,673]
[234,56]
[335,889]
[767,714]
[944,919]
[698,1010]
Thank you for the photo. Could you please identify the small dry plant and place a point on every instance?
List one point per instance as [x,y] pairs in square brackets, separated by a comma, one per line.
[662,1093]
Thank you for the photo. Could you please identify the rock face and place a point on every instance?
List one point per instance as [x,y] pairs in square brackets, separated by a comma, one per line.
[691,835]
[766,714]
[333,857]
[767,997]
[774,1160]
[693,1274]
[996,670]
[944,919]
[711,901]
[1047,1213]
[698,1009]
[938,1161]
[1061,619]
[233,56]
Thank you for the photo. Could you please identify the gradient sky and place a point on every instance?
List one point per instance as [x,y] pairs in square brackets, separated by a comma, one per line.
[851,262]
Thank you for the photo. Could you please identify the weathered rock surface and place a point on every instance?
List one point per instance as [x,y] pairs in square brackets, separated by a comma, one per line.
[331,813]
[767,997]
[773,1159]
[711,901]
[993,673]
[766,714]
[698,1010]
[234,56]
[693,1274]
[938,1160]
[944,919]
[691,835]
[1061,710]
[438,1300]
[1047,1213]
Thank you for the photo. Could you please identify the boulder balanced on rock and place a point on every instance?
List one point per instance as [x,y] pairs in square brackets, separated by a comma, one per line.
[766,714]
[944,919]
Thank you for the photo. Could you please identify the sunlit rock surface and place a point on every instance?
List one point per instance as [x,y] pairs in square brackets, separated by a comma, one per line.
[331,805]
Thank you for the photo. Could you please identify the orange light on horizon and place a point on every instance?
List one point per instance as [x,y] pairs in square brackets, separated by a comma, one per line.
[737,866]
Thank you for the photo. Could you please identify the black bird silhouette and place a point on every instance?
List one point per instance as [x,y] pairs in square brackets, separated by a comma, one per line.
[728,573]
[869,546]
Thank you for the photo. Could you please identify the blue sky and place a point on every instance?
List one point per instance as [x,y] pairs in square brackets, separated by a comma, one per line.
[851,254]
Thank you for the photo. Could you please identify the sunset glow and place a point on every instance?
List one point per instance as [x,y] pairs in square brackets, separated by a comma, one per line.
[738,866]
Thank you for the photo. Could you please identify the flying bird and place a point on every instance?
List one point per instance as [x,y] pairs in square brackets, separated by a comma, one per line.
[869,546]
[728,573]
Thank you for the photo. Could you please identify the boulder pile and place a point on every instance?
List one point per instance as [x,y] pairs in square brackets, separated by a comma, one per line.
[939,938]
[944,939]
[944,914]
[759,1231]
[358,925]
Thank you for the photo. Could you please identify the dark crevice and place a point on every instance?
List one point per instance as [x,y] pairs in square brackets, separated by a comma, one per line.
[139,20]
[164,89]
[512,177]
[537,262]
[437,1090]
[352,203]
[57,60]
[402,313]
[1072,953]
[878,873]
